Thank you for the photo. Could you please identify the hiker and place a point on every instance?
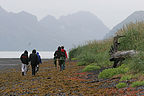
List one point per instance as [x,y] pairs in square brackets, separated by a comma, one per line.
[57,58]
[33,58]
[64,56]
[39,62]
[24,60]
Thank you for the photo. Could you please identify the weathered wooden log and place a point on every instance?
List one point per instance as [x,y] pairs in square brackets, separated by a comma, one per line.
[119,56]
[124,54]
[114,47]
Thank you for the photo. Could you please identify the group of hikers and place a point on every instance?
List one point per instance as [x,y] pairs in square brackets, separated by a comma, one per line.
[35,60]
[60,57]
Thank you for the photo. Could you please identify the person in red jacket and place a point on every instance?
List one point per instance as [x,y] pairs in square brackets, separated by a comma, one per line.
[63,50]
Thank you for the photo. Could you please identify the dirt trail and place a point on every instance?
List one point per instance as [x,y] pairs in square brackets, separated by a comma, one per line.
[51,82]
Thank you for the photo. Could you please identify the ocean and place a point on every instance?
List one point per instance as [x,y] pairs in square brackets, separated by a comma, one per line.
[17,54]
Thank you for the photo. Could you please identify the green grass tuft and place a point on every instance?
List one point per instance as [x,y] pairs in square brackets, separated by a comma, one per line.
[126,77]
[137,83]
[121,85]
[91,67]
[108,73]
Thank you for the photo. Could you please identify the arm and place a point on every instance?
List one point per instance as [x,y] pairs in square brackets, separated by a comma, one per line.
[40,60]
[66,54]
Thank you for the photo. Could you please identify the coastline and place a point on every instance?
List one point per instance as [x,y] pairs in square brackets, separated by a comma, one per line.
[12,63]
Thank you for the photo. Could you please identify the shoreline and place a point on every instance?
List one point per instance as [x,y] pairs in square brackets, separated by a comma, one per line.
[12,63]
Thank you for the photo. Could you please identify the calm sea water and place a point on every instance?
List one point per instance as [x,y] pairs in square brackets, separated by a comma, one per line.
[17,54]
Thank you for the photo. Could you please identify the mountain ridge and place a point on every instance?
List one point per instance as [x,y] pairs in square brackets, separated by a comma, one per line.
[136,16]
[20,31]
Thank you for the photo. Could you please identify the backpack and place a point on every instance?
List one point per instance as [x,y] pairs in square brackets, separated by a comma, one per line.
[63,54]
[24,59]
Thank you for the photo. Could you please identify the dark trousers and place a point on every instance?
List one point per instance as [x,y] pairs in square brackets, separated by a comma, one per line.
[61,64]
[33,69]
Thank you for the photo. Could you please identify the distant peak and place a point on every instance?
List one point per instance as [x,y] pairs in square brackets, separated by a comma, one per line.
[138,13]
[2,10]
[49,17]
[24,13]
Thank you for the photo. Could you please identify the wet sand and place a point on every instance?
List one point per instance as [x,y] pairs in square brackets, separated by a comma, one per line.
[11,63]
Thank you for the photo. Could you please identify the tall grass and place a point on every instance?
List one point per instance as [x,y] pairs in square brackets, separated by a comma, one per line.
[93,52]
[134,37]
[133,40]
[98,51]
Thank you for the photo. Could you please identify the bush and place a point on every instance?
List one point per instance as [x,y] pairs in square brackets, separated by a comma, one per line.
[83,63]
[137,63]
[121,85]
[137,83]
[134,37]
[74,53]
[108,73]
[92,52]
[91,67]
[87,57]
[126,77]
[73,59]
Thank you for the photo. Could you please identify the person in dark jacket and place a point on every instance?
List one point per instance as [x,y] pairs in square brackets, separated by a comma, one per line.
[24,60]
[33,58]
[39,62]
[64,56]
[57,58]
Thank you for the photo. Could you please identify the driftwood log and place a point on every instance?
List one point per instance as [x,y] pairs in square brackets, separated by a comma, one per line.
[124,54]
[119,56]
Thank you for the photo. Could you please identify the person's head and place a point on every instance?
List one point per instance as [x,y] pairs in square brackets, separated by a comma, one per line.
[34,51]
[26,52]
[62,47]
[59,48]
[37,52]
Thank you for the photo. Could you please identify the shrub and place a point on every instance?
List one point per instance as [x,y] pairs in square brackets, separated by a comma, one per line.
[87,57]
[74,53]
[92,52]
[108,73]
[121,85]
[137,63]
[134,37]
[126,77]
[74,59]
[82,63]
[91,67]
[137,83]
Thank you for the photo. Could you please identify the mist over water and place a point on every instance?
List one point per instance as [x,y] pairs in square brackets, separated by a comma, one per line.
[17,54]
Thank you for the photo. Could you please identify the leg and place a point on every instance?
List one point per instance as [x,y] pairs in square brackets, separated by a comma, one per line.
[33,69]
[25,69]
[55,61]
[64,65]
[22,68]
[37,68]
[61,65]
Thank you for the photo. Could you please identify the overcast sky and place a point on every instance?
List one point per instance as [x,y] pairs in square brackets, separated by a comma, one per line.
[111,12]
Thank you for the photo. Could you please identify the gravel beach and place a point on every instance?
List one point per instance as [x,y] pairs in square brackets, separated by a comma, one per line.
[51,82]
